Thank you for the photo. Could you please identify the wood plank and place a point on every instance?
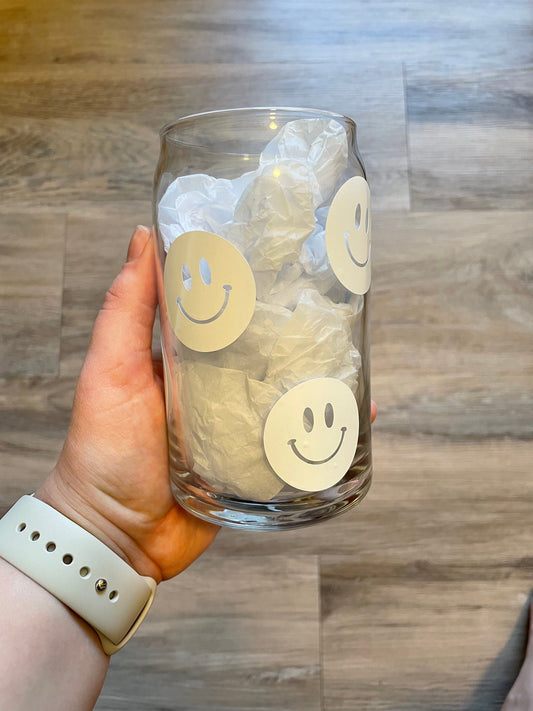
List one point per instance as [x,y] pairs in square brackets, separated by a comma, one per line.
[226,635]
[34,417]
[90,136]
[452,323]
[486,33]
[469,138]
[422,637]
[30,293]
[96,246]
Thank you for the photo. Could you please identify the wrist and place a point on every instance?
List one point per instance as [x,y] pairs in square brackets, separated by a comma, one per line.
[99,515]
[44,641]
[36,604]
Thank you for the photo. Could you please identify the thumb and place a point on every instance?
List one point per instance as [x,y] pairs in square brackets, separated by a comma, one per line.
[122,334]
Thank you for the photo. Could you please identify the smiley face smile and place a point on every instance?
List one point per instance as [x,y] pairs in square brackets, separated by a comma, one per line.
[354,260]
[292,443]
[227,289]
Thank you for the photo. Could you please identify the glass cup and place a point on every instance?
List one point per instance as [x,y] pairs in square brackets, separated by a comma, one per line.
[263,224]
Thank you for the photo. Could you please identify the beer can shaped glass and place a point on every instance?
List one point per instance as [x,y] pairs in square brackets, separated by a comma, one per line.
[263,222]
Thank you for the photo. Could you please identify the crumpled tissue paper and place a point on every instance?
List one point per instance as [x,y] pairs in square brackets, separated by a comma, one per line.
[316,343]
[320,144]
[251,351]
[312,271]
[274,216]
[199,202]
[225,414]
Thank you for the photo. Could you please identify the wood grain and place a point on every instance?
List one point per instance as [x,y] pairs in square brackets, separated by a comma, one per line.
[452,296]
[30,293]
[470,138]
[92,135]
[96,246]
[483,33]
[422,615]
[34,416]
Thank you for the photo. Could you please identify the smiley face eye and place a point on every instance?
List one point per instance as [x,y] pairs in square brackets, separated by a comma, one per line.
[367,220]
[358,216]
[186,277]
[205,271]
[309,419]
[328,415]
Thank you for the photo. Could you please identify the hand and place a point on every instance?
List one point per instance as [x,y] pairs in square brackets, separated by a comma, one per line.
[112,474]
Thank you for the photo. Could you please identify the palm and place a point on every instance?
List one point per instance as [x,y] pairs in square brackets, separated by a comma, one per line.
[125,462]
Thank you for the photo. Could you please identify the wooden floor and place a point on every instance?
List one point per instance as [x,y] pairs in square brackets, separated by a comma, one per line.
[417,600]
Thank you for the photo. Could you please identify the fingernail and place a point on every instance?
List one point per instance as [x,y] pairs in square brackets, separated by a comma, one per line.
[138,242]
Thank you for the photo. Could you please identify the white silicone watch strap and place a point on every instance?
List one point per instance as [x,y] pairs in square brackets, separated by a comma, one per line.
[77,568]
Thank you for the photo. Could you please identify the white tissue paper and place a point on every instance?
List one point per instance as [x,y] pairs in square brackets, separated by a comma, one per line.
[199,202]
[321,144]
[314,257]
[251,351]
[316,343]
[274,216]
[224,418]
[312,271]
[289,284]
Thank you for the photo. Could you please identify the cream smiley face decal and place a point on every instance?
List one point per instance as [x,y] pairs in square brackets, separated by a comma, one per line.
[348,235]
[209,291]
[311,434]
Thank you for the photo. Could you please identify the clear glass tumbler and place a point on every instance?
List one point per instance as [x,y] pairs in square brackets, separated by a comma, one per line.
[263,224]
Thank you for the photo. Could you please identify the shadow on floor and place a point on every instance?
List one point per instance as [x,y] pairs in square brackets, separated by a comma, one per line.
[487,696]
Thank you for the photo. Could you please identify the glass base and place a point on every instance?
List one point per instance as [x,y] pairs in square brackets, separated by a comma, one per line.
[236,513]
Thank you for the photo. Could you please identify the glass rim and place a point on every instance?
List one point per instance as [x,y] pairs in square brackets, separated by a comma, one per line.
[165,131]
